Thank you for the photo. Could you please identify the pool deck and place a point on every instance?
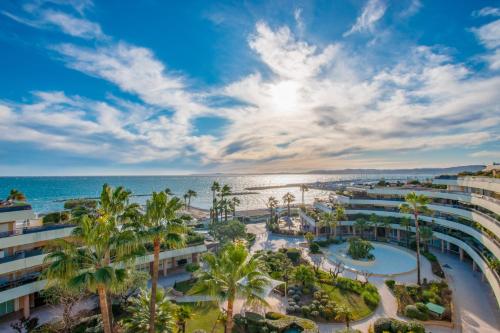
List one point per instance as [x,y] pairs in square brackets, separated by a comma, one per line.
[476,310]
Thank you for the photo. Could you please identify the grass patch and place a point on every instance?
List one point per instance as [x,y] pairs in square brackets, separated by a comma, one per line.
[205,316]
[348,298]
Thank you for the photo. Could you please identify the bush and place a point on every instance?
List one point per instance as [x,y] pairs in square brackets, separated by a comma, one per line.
[390,284]
[314,248]
[391,325]
[348,330]
[77,203]
[274,315]
[293,255]
[411,311]
[56,217]
[421,307]
[371,299]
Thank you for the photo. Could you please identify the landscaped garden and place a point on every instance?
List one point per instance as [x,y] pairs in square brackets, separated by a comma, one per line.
[318,295]
[430,301]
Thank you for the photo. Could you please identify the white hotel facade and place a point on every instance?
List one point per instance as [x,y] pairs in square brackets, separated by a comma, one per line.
[22,239]
[465,218]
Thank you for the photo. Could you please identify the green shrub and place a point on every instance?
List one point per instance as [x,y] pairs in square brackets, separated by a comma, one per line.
[371,299]
[56,217]
[76,203]
[390,284]
[348,330]
[415,327]
[391,325]
[421,307]
[293,255]
[382,325]
[274,315]
[412,312]
[314,248]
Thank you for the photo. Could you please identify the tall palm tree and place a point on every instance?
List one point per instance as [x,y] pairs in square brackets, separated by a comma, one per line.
[139,321]
[416,204]
[235,202]
[288,198]
[303,188]
[272,204]
[83,261]
[160,225]
[339,216]
[386,223]
[361,225]
[168,191]
[375,223]
[426,234]
[215,188]
[16,195]
[184,313]
[230,275]
[191,194]
[406,222]
[225,191]
[185,197]
[328,220]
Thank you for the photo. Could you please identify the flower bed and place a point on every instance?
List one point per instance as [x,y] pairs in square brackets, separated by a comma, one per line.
[273,322]
[412,300]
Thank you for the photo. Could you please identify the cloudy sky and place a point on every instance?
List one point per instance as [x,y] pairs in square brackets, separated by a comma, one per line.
[154,87]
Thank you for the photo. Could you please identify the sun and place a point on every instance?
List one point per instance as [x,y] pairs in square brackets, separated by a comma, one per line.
[285,96]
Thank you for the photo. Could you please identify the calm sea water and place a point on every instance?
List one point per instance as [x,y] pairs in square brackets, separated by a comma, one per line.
[46,193]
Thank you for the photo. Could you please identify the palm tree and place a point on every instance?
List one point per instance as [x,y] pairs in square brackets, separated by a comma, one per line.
[191,194]
[288,198]
[225,191]
[139,321]
[16,195]
[339,215]
[426,234]
[272,203]
[185,197]
[303,188]
[405,222]
[235,202]
[215,188]
[184,313]
[344,314]
[416,204]
[304,274]
[361,225]
[160,225]
[386,223]
[83,262]
[328,220]
[230,275]
[168,191]
[375,223]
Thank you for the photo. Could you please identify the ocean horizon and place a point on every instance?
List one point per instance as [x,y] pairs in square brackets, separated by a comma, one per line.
[48,193]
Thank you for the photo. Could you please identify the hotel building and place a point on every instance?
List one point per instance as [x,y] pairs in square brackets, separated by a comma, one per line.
[22,239]
[464,217]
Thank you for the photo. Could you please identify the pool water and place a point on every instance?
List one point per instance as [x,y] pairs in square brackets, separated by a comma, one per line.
[388,259]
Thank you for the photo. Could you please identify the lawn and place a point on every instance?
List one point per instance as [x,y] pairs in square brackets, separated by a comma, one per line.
[348,298]
[205,316]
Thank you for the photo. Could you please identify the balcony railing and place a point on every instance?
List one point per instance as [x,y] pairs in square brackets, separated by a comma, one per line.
[21,255]
[31,230]
[25,279]
[15,207]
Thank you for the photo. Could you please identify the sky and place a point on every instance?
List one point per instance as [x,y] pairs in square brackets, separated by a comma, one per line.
[164,87]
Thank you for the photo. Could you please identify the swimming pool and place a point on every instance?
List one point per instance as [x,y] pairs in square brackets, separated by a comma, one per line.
[389,260]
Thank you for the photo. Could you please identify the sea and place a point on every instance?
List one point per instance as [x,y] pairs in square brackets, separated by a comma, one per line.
[47,194]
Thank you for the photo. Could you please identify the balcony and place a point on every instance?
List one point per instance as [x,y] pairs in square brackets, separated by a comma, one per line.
[15,212]
[31,235]
[485,183]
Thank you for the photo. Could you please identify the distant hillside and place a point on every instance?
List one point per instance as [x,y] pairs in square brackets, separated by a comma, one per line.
[437,171]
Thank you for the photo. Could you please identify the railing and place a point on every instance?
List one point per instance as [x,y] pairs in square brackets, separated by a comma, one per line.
[31,230]
[25,279]
[14,208]
[21,255]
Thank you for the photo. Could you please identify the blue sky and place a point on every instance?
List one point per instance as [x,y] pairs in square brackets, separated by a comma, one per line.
[163,87]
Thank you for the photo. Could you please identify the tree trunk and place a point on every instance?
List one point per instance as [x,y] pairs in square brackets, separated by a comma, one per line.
[417,239]
[189,202]
[103,304]
[154,284]
[303,202]
[229,320]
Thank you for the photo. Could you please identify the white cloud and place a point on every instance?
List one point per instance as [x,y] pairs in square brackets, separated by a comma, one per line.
[487,11]
[484,154]
[71,25]
[373,11]
[489,34]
